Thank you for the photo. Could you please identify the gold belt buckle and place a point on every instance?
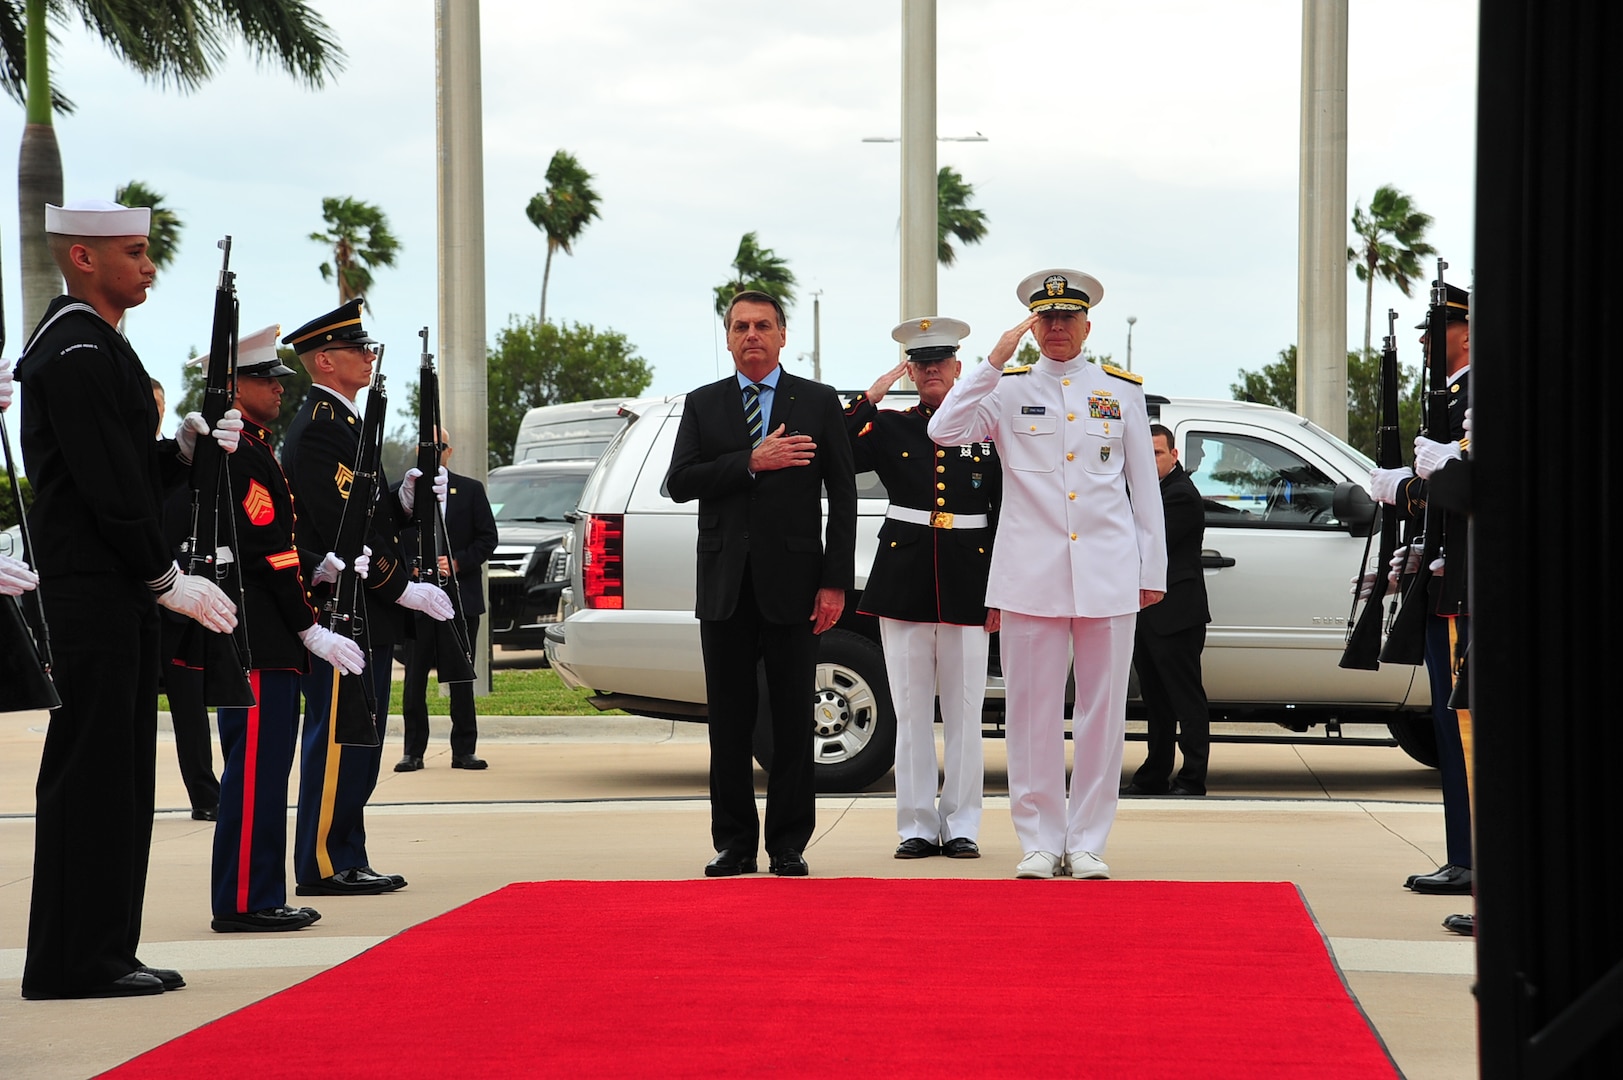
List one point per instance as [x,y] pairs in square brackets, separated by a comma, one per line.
[940,519]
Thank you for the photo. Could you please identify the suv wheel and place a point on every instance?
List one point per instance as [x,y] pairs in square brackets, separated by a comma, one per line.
[853,723]
[1417,738]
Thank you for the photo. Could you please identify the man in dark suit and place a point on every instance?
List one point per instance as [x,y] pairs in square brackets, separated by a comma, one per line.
[471,533]
[758,450]
[1170,637]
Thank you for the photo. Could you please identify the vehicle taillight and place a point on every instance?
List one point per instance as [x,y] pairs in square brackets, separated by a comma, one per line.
[602,564]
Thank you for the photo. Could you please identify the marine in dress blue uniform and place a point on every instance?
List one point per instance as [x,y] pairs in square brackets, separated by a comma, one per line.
[1082,547]
[928,589]
[319,455]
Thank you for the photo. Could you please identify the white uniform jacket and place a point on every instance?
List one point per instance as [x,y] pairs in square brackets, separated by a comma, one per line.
[1081,531]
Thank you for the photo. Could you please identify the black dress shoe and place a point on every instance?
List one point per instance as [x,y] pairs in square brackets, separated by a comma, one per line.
[1184,789]
[730,864]
[1136,788]
[171,979]
[409,763]
[205,813]
[468,761]
[355,881]
[1450,880]
[961,847]
[399,882]
[267,921]
[789,864]
[1461,924]
[916,847]
[135,984]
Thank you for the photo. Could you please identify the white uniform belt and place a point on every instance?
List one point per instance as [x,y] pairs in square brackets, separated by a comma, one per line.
[937,519]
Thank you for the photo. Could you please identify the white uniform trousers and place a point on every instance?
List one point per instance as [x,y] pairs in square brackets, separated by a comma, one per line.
[1036,653]
[919,658]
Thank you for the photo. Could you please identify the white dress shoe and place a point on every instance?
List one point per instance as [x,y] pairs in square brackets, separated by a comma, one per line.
[1085,864]
[1037,864]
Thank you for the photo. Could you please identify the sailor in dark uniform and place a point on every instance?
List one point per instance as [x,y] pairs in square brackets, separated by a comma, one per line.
[99,479]
[928,589]
[1448,624]
[319,456]
[250,841]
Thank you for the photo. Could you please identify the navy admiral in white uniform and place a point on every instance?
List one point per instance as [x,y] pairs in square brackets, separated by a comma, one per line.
[928,589]
[1081,548]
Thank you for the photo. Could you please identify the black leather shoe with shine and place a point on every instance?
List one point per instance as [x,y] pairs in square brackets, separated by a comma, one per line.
[468,761]
[268,921]
[730,864]
[1450,880]
[409,763]
[789,864]
[915,847]
[961,847]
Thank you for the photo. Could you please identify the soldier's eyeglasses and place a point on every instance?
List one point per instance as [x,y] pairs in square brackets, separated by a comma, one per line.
[370,350]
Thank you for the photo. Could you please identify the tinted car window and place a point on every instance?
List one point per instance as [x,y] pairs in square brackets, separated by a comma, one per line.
[535,496]
[1245,480]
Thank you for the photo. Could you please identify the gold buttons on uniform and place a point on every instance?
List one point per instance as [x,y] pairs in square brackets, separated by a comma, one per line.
[940,453]
[1071,496]
[893,543]
[1033,427]
[940,468]
[981,550]
[1073,536]
[941,487]
[941,502]
[1065,382]
[904,453]
[1070,457]
[1070,416]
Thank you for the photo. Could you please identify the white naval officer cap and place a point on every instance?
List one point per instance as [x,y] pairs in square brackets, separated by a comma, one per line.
[930,338]
[97,217]
[1059,290]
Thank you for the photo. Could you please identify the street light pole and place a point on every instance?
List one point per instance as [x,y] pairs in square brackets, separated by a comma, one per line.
[1131,319]
[817,335]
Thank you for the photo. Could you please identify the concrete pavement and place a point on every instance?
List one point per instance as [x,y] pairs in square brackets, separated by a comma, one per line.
[621,798]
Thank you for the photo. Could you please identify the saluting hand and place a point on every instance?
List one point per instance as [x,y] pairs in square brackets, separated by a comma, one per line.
[1009,342]
[780,451]
[882,385]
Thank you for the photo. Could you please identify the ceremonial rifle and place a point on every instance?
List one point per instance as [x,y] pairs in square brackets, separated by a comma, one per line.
[453,652]
[1363,645]
[353,705]
[212,545]
[25,639]
[1406,640]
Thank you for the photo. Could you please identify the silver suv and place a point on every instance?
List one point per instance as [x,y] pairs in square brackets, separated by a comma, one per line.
[1277,555]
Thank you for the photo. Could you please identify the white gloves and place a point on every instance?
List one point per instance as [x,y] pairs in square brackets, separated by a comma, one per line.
[5,385]
[1430,456]
[15,577]
[429,599]
[408,487]
[331,566]
[202,600]
[228,434]
[1405,560]
[1467,425]
[336,649]
[1437,565]
[1364,587]
[1383,484]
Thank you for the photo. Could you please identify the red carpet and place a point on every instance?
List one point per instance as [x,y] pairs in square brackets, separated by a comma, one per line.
[827,976]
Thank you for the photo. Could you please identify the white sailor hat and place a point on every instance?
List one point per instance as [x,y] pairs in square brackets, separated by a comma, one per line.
[256,355]
[1060,290]
[97,217]
[930,338]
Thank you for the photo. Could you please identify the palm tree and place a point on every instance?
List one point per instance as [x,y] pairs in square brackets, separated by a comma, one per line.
[354,255]
[562,211]
[1393,237]
[758,268]
[954,216]
[164,237]
[166,41]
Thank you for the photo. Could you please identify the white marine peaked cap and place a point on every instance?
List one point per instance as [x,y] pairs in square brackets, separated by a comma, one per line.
[933,333]
[97,217]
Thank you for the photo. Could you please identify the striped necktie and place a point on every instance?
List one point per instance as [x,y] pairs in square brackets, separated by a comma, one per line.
[752,412]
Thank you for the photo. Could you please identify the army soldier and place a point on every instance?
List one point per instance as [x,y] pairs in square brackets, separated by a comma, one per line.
[250,842]
[319,455]
[104,568]
[1074,437]
[928,588]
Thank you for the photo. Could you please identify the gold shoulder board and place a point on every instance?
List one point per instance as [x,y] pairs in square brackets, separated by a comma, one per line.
[1120,374]
[1021,370]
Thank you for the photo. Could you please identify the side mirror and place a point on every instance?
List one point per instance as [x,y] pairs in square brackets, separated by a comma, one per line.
[1354,508]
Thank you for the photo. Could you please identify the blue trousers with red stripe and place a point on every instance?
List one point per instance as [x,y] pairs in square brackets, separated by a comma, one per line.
[335,781]
[250,839]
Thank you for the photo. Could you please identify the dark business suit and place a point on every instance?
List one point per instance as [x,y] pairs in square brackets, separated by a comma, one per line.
[1167,645]
[762,557]
[471,532]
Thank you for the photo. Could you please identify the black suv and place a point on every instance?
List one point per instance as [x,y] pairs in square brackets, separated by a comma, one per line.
[528,571]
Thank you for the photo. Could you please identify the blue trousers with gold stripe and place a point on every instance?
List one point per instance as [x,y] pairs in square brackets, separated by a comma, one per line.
[1445,644]
[250,839]
[335,782]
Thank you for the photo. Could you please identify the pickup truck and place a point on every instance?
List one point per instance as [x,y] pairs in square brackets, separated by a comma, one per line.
[1278,557]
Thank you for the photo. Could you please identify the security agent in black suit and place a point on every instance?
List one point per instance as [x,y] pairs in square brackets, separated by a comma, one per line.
[759,449]
[1448,624]
[471,529]
[1170,637]
[319,454]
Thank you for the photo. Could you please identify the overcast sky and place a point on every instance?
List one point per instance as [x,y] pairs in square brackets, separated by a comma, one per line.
[1152,143]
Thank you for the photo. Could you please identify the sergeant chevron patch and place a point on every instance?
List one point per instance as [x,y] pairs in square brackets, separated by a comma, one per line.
[257,504]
